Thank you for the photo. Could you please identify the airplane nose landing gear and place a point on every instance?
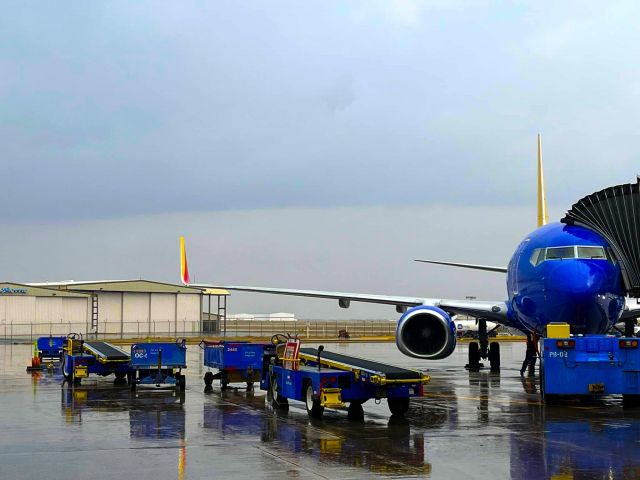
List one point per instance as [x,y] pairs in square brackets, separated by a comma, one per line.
[482,350]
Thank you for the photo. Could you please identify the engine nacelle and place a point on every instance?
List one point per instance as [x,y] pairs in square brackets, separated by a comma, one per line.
[426,332]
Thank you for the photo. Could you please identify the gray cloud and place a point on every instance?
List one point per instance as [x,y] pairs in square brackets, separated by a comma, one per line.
[124,109]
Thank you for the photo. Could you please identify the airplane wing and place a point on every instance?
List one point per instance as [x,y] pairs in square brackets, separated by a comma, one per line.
[486,268]
[492,311]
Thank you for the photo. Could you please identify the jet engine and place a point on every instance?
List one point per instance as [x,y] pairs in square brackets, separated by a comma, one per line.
[426,332]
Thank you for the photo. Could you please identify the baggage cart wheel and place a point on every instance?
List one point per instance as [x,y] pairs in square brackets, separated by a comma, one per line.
[182,382]
[398,406]
[224,381]
[249,386]
[355,411]
[277,400]
[208,379]
[120,377]
[314,409]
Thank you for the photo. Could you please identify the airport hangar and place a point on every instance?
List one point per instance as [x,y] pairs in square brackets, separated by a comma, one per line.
[114,308]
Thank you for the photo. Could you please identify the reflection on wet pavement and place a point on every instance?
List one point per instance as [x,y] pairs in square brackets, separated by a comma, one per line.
[470,425]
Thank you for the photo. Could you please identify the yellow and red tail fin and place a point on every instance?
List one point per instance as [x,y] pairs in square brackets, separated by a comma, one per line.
[184,268]
[543,218]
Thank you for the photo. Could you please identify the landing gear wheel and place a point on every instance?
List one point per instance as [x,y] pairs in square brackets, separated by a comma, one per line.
[494,356]
[208,379]
[314,409]
[355,412]
[398,406]
[474,356]
[277,401]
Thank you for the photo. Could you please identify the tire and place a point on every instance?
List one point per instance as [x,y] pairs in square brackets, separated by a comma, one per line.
[474,354]
[182,382]
[355,412]
[65,365]
[494,356]
[398,406]
[314,409]
[208,379]
[120,376]
[277,401]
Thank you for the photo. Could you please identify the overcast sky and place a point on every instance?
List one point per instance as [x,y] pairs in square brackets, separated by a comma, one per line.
[304,144]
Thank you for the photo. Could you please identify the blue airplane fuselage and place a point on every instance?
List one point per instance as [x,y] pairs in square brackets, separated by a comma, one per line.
[586,293]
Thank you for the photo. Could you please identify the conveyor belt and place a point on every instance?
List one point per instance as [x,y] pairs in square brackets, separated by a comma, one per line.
[391,372]
[106,351]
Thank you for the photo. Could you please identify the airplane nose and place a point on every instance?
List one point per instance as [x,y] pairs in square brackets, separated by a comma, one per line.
[575,278]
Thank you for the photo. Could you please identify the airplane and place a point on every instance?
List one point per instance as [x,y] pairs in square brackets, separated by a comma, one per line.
[558,273]
[470,328]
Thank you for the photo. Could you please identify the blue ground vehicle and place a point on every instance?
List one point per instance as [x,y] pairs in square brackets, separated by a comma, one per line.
[50,348]
[319,378]
[158,365]
[151,364]
[235,361]
[589,365]
[46,352]
[82,358]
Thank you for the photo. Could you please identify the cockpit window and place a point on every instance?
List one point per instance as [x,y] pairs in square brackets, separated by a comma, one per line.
[559,253]
[539,255]
[591,252]
[536,256]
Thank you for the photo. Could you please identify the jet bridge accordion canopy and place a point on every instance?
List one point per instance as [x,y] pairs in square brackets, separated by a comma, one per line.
[615,214]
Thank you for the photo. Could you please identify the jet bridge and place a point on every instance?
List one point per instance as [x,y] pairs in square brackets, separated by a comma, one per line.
[614,213]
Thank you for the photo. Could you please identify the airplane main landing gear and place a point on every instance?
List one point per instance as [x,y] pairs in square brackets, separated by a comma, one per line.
[629,327]
[482,350]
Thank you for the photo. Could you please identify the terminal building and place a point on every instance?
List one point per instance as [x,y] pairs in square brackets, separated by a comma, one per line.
[109,308]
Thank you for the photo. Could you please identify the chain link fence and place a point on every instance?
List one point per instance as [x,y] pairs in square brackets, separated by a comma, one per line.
[324,329]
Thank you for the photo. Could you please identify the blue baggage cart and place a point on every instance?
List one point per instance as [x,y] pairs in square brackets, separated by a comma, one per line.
[159,364]
[50,348]
[236,362]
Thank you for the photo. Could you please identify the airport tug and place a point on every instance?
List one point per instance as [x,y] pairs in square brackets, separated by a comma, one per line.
[588,365]
[322,379]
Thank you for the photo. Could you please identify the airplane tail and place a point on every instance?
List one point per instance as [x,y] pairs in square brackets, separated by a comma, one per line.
[184,268]
[543,218]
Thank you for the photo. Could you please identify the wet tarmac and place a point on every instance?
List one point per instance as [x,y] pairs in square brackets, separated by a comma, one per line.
[469,425]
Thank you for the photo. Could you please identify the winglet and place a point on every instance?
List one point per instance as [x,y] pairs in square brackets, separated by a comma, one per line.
[184,268]
[542,196]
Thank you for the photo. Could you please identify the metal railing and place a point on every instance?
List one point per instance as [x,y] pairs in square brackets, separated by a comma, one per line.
[10,332]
